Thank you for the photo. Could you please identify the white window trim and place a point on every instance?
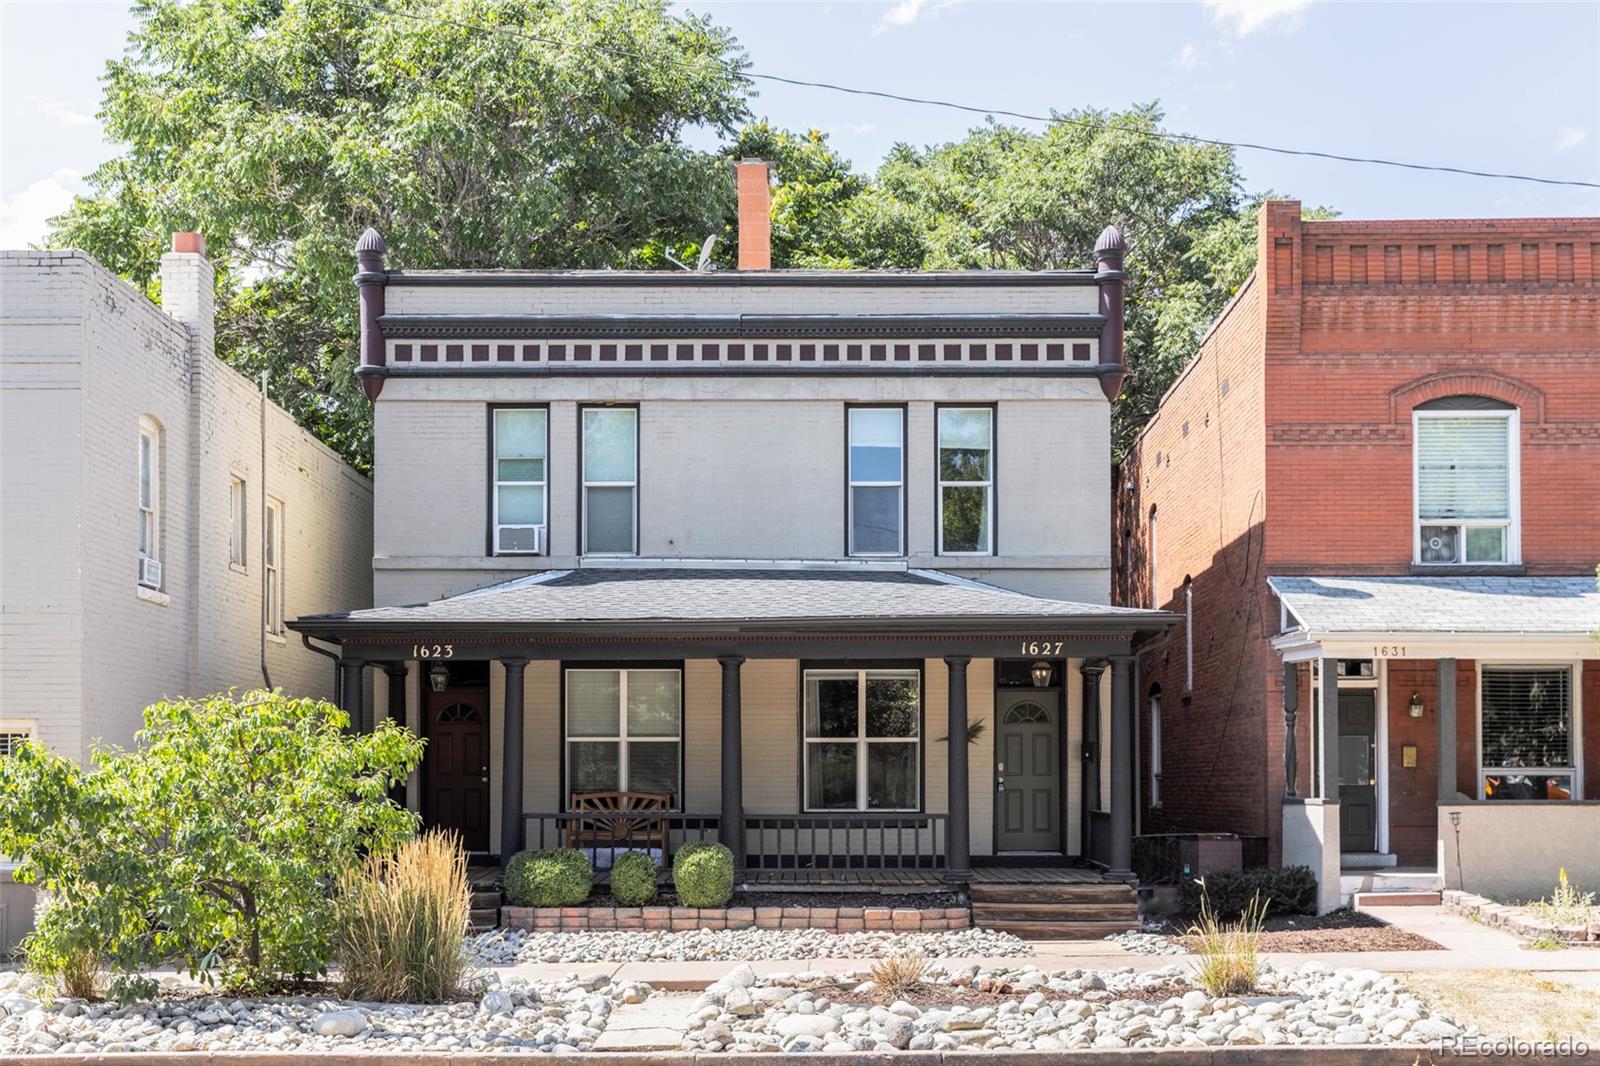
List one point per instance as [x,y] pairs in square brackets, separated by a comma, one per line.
[583,532]
[1155,750]
[860,740]
[273,539]
[496,483]
[1512,525]
[1188,634]
[149,511]
[986,485]
[238,522]
[621,739]
[1575,691]
[851,485]
[1155,569]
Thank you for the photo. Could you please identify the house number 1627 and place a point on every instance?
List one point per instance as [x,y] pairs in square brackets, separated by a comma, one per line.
[1042,647]
[433,651]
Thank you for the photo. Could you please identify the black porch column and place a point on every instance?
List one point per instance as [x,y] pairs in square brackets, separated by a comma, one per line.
[1291,706]
[1120,853]
[957,850]
[511,762]
[1089,754]
[398,680]
[351,699]
[1445,713]
[730,826]
[1328,732]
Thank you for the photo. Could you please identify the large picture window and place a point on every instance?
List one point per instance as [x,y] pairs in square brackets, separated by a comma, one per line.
[877,480]
[1526,733]
[521,495]
[625,731]
[966,480]
[610,480]
[863,742]
[1466,482]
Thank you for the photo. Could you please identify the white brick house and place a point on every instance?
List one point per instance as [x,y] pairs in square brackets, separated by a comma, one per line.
[133,508]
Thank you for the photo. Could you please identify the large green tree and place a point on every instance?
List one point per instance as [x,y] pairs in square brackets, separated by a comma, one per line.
[281,128]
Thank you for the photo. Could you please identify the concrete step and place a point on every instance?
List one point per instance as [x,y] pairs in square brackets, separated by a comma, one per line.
[1389,881]
[1363,900]
[984,913]
[1059,930]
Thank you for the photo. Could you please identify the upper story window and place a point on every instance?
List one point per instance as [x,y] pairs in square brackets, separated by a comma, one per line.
[1155,574]
[13,737]
[625,731]
[1466,481]
[149,503]
[272,562]
[966,480]
[862,740]
[610,481]
[877,474]
[1155,749]
[236,521]
[521,488]
[1525,719]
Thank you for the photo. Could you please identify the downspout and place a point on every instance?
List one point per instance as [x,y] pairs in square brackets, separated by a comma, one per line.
[1109,276]
[338,680]
[266,678]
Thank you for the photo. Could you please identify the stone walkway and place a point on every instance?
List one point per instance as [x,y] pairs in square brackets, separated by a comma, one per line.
[657,1024]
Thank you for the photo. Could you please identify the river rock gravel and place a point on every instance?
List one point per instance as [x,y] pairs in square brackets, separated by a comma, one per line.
[504,947]
[1059,1010]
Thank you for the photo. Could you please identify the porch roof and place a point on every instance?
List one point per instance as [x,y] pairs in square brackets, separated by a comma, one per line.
[693,597]
[1444,613]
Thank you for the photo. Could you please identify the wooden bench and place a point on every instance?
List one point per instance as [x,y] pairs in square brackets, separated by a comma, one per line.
[620,820]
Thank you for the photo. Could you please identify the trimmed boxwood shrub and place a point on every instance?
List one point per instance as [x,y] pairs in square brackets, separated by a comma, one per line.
[559,877]
[1284,890]
[703,875]
[633,879]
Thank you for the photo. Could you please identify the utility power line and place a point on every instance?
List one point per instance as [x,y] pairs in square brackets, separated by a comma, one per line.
[750,75]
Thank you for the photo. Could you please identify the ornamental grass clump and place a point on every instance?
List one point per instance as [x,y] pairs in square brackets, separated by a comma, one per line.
[400,920]
[633,879]
[1229,954]
[557,877]
[702,873]
[898,976]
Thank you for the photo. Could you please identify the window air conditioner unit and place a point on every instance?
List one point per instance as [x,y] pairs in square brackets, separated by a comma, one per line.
[522,540]
[149,572]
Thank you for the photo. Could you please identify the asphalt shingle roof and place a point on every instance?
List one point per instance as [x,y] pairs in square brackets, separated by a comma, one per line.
[733,595]
[1557,605]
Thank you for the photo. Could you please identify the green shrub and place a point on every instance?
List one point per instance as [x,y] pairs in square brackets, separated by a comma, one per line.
[703,875]
[633,879]
[1282,890]
[400,920]
[558,877]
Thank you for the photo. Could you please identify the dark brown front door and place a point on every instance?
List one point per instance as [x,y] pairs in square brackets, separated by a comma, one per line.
[455,764]
[1358,772]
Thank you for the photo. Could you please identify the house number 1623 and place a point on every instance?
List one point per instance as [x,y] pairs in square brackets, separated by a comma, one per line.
[433,651]
[1042,647]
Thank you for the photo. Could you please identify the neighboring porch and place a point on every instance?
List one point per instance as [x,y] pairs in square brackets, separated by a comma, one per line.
[1449,742]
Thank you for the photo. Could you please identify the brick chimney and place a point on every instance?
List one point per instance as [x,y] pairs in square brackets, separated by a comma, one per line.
[188,285]
[755,215]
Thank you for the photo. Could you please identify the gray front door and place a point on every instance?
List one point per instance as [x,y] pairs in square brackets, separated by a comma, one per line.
[1027,771]
[1358,772]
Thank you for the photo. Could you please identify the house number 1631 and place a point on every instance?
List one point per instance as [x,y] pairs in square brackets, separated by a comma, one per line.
[1042,647]
[433,651]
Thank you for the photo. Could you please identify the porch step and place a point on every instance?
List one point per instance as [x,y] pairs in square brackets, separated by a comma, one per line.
[484,909]
[1086,911]
[1363,900]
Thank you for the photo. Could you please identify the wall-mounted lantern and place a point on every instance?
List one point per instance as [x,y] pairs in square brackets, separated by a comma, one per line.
[1041,674]
[1416,705]
[438,677]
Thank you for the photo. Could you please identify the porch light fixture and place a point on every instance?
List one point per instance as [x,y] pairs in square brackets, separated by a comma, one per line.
[1041,674]
[438,677]
[1416,705]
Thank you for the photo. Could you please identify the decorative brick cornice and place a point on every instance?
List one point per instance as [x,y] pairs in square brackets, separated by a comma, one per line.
[1466,381]
[1332,433]
[1565,433]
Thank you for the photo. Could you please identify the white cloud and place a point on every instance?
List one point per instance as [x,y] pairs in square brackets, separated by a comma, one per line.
[1189,57]
[1569,138]
[907,12]
[24,217]
[1244,17]
[60,112]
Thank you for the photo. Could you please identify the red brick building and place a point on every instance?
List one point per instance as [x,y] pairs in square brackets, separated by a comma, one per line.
[1378,486]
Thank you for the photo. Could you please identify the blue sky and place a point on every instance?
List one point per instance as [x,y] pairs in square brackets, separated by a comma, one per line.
[1505,87]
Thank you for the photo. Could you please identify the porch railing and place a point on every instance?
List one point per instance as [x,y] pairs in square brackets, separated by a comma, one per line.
[553,830]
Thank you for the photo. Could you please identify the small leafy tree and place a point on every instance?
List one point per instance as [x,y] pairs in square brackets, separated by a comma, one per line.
[218,838]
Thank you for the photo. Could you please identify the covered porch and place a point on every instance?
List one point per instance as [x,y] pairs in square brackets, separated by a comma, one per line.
[1440,732]
[800,716]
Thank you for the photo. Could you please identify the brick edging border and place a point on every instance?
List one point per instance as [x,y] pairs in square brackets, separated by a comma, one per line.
[1514,919]
[831,919]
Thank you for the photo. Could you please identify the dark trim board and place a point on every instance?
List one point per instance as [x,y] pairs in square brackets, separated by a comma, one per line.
[720,279]
[700,327]
[747,370]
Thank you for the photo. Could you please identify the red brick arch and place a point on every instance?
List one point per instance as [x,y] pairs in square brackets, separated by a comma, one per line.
[1527,398]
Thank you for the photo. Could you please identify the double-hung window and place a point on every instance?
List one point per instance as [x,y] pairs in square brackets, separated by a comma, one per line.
[521,489]
[966,480]
[1155,749]
[610,481]
[625,731]
[272,562]
[236,521]
[863,740]
[877,459]
[1526,733]
[149,503]
[1466,482]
